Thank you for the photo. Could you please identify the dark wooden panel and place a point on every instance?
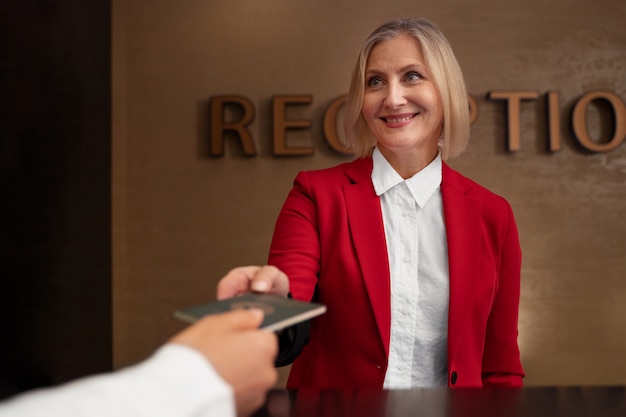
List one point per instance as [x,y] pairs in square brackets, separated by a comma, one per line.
[589,401]
[55,290]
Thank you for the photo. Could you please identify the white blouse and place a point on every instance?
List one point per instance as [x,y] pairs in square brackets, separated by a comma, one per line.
[418,262]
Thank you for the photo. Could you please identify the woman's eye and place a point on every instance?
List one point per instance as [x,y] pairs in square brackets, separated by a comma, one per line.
[413,76]
[374,82]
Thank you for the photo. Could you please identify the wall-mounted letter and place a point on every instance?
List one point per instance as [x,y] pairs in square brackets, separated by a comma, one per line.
[554,125]
[330,126]
[473,109]
[579,121]
[219,126]
[513,99]
[281,124]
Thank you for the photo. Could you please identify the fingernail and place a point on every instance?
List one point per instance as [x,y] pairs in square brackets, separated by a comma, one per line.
[260,286]
[257,312]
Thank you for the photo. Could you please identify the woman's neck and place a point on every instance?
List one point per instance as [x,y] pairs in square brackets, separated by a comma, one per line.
[409,163]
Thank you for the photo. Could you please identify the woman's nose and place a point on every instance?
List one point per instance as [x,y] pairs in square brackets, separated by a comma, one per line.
[395,95]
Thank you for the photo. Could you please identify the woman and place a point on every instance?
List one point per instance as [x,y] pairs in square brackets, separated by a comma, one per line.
[419,266]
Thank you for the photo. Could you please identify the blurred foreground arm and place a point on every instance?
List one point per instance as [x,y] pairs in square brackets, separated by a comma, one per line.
[220,366]
[243,355]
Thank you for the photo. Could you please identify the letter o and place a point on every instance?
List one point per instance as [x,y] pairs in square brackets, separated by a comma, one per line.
[473,109]
[579,121]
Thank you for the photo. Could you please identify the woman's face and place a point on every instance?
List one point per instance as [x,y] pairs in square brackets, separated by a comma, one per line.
[401,104]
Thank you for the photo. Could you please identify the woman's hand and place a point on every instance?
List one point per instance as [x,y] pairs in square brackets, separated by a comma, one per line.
[262,279]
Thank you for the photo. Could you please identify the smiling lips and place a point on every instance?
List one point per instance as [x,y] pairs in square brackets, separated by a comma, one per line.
[398,119]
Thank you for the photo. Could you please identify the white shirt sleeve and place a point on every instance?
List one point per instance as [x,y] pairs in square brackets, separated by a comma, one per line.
[175,381]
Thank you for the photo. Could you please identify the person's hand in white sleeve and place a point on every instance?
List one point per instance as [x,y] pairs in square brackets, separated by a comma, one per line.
[242,354]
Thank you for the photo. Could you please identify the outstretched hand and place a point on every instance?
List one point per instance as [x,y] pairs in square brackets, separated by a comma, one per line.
[263,279]
[242,354]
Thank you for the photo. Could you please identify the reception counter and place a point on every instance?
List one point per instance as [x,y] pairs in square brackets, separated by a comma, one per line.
[609,401]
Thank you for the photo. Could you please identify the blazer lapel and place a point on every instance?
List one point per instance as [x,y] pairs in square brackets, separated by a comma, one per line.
[462,217]
[368,235]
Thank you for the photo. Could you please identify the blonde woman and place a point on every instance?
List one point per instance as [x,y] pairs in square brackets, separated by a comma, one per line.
[418,265]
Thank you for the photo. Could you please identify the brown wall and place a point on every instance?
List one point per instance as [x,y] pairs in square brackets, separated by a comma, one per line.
[182,218]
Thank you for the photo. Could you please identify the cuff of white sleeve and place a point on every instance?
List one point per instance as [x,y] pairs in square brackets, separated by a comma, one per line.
[194,383]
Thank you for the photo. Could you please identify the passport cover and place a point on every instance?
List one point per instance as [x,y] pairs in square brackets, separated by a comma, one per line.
[280,312]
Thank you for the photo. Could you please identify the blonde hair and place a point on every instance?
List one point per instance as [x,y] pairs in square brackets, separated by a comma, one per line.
[446,74]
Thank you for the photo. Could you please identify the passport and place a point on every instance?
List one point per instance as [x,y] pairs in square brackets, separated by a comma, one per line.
[280,312]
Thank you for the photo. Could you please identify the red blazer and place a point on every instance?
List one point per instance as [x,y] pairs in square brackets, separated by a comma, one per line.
[329,240]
